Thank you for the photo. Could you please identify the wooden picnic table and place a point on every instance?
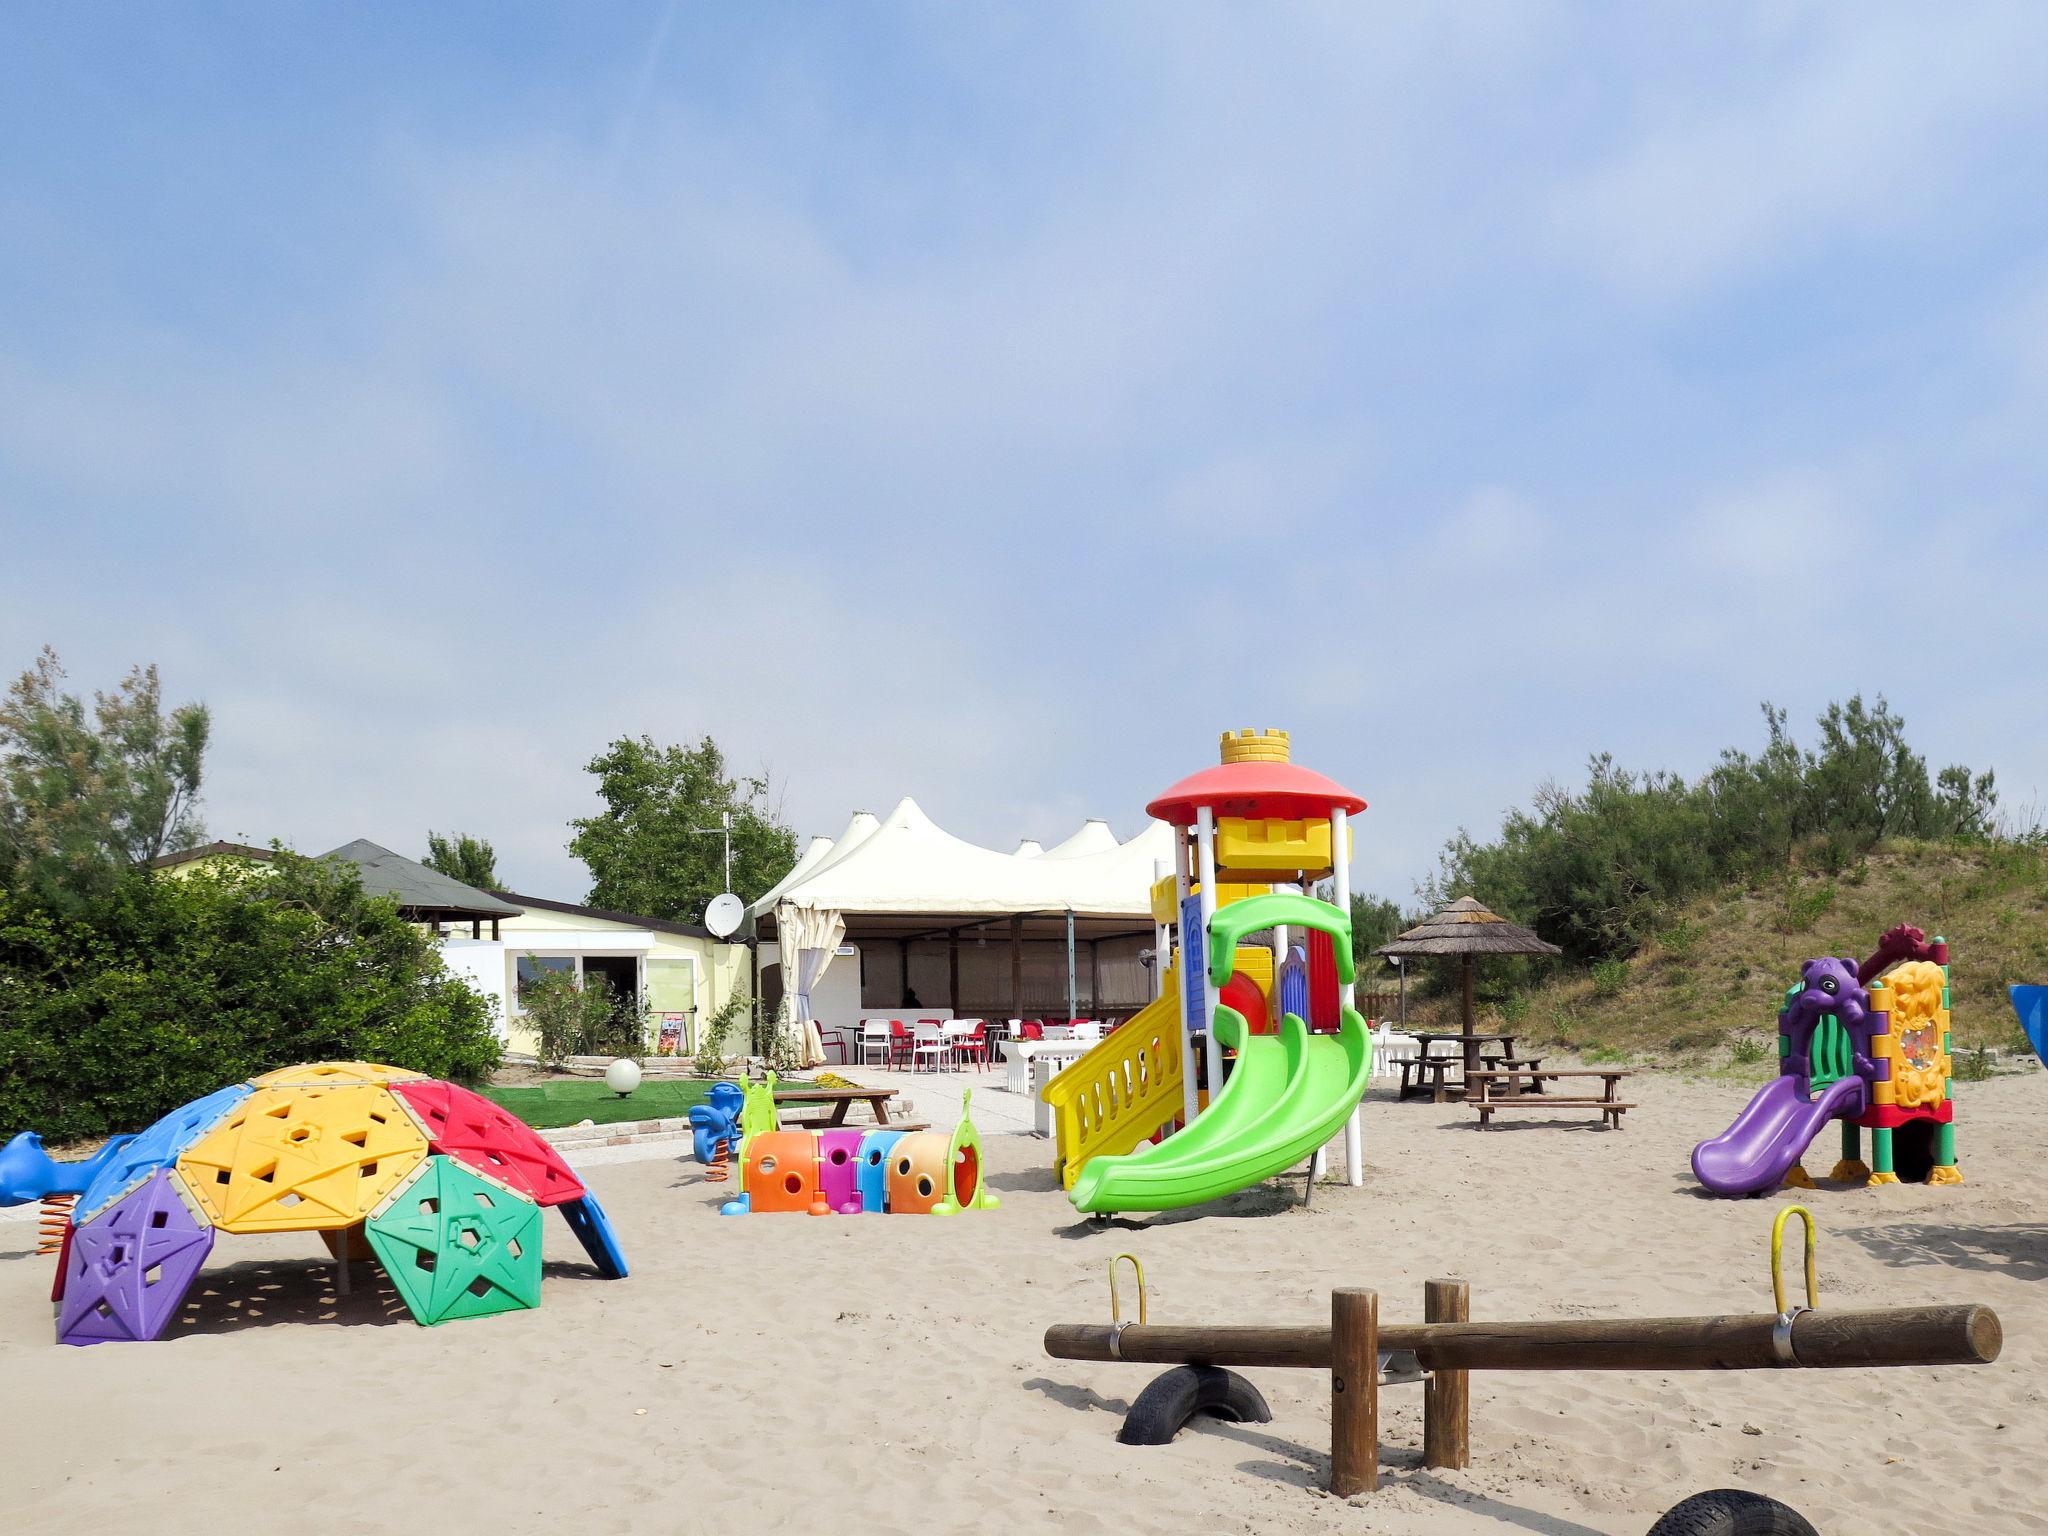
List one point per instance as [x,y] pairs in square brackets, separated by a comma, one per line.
[840,1100]
[1429,1073]
[1502,1088]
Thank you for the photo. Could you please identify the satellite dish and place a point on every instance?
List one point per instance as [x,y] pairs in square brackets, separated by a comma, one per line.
[723,916]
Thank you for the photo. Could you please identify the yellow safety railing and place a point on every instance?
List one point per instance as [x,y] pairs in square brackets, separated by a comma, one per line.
[1118,1094]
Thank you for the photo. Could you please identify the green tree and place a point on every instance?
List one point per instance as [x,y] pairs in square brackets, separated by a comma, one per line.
[648,852]
[120,1005]
[1374,921]
[461,857]
[1595,870]
[83,794]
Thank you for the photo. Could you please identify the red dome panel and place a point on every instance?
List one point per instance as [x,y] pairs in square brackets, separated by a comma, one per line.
[471,1129]
[1255,790]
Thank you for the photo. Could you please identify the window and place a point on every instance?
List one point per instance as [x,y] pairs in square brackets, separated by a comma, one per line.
[532,966]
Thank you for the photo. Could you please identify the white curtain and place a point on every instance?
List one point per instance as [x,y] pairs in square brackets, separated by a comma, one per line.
[808,938]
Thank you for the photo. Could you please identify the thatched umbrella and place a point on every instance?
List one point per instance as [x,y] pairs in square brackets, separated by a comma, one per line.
[1469,929]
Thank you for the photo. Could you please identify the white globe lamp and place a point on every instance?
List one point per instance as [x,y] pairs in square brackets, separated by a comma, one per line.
[622,1076]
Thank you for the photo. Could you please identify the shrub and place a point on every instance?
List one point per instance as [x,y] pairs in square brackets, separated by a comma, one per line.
[572,1019]
[1609,977]
[1748,1052]
[711,1042]
[1804,908]
[161,989]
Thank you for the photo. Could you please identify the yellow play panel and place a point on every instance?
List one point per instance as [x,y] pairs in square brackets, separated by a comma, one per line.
[323,1073]
[296,1157]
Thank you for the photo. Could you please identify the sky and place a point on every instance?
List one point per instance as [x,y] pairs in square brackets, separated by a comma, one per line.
[991,404]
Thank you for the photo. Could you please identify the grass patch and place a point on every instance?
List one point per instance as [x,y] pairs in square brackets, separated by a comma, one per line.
[544,1106]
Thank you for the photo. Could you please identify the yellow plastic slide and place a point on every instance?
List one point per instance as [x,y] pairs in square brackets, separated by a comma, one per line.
[1113,1098]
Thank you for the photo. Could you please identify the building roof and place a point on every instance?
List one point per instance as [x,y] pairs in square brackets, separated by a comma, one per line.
[571,909]
[213,850]
[416,887]
[1467,928]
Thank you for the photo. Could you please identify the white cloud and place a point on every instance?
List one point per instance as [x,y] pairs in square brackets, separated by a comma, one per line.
[1837,125]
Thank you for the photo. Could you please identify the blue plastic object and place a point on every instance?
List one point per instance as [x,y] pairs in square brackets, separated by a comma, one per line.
[593,1230]
[872,1178]
[1194,954]
[28,1173]
[158,1147]
[1294,983]
[2031,1004]
[715,1121]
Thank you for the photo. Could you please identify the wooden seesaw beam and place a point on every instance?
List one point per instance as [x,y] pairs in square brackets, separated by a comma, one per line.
[1351,1347]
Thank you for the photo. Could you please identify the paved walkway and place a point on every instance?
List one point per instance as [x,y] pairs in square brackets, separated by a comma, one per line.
[935,1097]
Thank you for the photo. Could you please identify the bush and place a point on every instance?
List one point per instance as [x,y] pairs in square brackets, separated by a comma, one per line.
[1609,977]
[163,988]
[717,1031]
[1597,870]
[572,1019]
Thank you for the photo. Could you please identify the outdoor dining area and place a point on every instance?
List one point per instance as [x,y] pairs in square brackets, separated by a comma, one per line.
[951,1045]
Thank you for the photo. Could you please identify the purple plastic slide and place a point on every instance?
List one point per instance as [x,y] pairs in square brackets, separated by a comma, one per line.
[1770,1135]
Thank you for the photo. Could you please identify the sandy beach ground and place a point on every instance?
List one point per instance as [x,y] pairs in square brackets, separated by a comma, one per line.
[883,1375]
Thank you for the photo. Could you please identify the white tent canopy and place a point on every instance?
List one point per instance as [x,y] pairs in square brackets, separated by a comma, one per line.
[908,864]
[1094,837]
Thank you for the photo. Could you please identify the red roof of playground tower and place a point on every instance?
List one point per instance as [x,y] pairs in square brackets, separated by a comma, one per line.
[1255,790]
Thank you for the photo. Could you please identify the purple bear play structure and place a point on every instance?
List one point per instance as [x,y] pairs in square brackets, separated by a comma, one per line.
[1774,1129]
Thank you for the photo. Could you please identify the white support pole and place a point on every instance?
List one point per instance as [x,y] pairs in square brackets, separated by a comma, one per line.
[1205,853]
[1162,937]
[1189,1101]
[1347,992]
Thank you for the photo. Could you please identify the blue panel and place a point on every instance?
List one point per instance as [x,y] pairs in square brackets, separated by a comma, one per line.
[587,1220]
[1294,982]
[1194,958]
[158,1147]
[872,1180]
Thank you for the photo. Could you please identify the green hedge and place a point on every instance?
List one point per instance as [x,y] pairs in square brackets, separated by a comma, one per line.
[168,987]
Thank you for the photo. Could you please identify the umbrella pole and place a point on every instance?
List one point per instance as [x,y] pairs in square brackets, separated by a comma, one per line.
[1471,1045]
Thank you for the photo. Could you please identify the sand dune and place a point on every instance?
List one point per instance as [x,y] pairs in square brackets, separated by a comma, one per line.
[883,1375]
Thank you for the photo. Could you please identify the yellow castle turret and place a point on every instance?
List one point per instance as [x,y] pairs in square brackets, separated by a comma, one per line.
[1250,746]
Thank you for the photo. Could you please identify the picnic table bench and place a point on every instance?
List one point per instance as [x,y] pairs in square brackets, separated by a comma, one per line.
[1430,1071]
[1522,1088]
[840,1100]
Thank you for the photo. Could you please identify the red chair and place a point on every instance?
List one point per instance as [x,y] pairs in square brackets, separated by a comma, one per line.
[975,1047]
[901,1041]
[1032,1029]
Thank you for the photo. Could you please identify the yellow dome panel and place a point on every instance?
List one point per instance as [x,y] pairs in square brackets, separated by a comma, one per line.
[335,1072]
[293,1158]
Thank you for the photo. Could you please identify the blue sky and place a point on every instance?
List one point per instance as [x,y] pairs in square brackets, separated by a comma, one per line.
[991,404]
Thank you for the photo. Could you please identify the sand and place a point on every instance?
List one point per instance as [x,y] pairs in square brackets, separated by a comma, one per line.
[882,1375]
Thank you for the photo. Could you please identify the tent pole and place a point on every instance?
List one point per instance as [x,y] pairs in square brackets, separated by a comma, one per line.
[953,972]
[1017,964]
[1073,1002]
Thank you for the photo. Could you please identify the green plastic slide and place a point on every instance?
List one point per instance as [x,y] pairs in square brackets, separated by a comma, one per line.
[1288,1094]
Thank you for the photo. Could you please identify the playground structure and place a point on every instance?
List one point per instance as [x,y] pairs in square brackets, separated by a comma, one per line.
[1251,834]
[1441,1352]
[438,1184]
[845,1172]
[1863,1043]
[2031,1004]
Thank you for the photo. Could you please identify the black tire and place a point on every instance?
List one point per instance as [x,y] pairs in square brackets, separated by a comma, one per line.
[1176,1396]
[1731,1512]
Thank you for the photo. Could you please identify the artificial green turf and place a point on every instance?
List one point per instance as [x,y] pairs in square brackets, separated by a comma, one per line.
[546,1105]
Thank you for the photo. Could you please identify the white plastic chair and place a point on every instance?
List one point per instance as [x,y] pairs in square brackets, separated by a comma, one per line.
[874,1036]
[928,1043]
